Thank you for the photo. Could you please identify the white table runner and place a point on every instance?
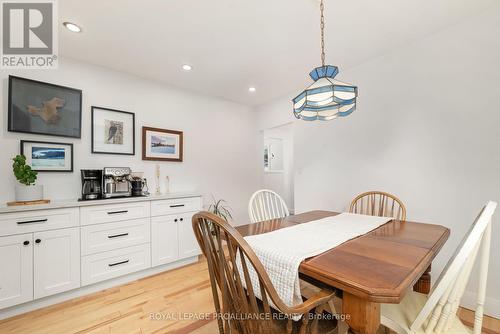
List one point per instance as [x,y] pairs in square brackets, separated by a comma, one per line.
[282,251]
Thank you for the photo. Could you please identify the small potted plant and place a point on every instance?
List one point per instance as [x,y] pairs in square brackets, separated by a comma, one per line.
[26,190]
[219,208]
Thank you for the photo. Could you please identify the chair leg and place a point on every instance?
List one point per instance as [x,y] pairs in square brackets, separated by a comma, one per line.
[342,327]
[331,307]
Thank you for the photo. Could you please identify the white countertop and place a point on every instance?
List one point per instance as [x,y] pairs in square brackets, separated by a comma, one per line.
[72,203]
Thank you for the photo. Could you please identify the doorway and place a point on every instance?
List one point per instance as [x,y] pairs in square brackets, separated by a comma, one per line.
[278,166]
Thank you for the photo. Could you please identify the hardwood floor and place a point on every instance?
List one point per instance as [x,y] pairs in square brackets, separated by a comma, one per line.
[175,295]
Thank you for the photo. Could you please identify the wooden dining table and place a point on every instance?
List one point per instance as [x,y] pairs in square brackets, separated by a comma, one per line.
[378,267]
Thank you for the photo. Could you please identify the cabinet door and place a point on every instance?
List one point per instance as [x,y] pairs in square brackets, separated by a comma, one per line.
[56,261]
[188,245]
[16,273]
[164,240]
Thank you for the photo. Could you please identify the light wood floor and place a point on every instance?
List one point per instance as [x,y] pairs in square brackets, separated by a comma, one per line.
[128,308]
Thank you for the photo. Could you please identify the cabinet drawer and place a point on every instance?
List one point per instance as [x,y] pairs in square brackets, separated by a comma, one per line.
[40,220]
[174,206]
[113,212]
[103,266]
[111,236]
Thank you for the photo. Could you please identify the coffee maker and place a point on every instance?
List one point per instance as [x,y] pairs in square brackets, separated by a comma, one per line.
[139,184]
[91,184]
[116,182]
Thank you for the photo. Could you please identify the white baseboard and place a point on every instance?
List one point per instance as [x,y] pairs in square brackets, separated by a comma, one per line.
[85,290]
[491,305]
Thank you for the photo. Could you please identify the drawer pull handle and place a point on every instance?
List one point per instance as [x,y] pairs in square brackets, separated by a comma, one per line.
[118,263]
[32,221]
[177,205]
[116,212]
[117,235]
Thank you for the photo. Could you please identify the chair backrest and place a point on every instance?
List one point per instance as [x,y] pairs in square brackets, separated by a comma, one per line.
[231,280]
[378,203]
[444,299]
[266,205]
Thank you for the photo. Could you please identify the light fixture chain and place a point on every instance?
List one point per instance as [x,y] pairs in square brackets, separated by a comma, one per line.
[322,25]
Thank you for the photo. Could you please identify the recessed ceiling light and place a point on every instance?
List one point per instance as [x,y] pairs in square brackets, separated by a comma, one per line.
[72,27]
[252,89]
[187,67]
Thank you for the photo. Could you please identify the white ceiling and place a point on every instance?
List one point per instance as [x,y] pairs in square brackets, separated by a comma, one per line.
[234,44]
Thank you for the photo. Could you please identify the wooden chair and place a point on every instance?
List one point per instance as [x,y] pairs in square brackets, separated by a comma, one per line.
[266,205]
[378,203]
[233,293]
[436,313]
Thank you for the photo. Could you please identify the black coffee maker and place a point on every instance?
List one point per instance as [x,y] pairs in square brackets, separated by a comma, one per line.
[91,184]
[139,184]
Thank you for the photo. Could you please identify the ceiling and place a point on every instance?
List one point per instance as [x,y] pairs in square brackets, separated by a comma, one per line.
[235,44]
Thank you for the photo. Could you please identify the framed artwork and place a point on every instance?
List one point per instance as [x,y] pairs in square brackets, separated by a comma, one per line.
[161,144]
[113,131]
[47,156]
[43,108]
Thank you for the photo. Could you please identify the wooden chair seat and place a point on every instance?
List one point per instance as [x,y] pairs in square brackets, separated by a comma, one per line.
[322,326]
[399,317]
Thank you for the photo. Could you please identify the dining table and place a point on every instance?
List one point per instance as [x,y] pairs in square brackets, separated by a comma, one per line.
[381,266]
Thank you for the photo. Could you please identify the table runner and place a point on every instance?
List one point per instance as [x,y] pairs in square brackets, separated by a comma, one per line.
[282,251]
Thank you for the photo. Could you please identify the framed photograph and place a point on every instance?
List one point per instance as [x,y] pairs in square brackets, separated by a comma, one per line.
[113,131]
[43,108]
[48,157]
[161,144]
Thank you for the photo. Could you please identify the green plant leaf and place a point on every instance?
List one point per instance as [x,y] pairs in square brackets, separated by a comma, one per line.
[23,173]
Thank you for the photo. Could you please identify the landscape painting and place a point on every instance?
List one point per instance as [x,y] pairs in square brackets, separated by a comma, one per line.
[43,108]
[162,144]
[47,156]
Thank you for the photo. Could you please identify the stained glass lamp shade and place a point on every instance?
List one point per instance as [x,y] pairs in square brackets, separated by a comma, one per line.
[326,98]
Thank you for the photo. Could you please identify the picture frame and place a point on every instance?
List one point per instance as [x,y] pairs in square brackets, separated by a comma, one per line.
[162,144]
[45,156]
[38,107]
[113,131]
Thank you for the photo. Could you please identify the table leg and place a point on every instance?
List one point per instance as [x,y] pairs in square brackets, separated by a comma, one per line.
[423,284]
[364,316]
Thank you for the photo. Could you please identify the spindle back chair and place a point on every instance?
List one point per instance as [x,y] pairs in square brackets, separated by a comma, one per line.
[266,205]
[378,203]
[245,310]
[437,313]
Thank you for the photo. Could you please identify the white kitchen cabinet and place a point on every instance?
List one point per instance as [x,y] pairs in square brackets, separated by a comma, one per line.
[164,240]
[16,272]
[50,249]
[188,245]
[56,261]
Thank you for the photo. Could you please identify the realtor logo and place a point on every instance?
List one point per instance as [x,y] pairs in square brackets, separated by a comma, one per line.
[29,34]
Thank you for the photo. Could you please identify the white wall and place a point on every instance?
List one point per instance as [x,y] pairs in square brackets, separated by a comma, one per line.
[217,135]
[426,129]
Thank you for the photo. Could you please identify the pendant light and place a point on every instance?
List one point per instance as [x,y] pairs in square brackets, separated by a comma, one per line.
[326,98]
